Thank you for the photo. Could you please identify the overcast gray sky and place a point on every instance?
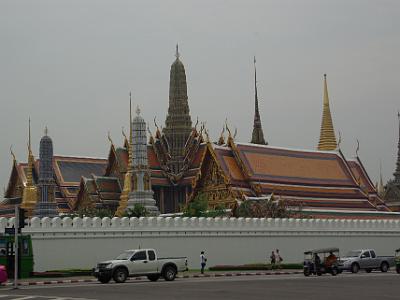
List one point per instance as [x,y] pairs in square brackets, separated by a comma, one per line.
[71,64]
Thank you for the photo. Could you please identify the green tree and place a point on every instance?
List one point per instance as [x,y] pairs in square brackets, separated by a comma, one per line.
[198,207]
[137,211]
[266,208]
[92,212]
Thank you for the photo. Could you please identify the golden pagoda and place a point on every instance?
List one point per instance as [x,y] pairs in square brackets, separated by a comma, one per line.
[29,195]
[327,139]
[123,203]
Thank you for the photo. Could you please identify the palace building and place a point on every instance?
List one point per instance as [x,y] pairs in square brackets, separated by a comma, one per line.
[183,162]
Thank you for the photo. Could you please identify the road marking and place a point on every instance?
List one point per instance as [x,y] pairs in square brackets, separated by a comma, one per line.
[25,297]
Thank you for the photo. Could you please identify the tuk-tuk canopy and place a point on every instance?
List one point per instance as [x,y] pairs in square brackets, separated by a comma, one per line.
[323,250]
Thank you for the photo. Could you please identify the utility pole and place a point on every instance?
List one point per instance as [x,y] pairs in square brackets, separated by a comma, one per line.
[16,226]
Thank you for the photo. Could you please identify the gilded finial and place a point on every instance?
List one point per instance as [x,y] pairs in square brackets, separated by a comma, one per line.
[207,136]
[221,139]
[12,154]
[123,133]
[227,128]
[339,140]
[358,147]
[177,55]
[109,138]
[29,134]
[155,122]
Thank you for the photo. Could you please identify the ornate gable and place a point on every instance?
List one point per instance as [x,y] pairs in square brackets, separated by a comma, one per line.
[213,182]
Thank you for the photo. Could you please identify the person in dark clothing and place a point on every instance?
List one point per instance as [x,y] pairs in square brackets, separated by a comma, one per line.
[317,262]
[273,260]
[203,261]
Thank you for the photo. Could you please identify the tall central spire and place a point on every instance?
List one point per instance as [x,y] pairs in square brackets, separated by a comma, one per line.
[258,135]
[397,171]
[327,139]
[178,124]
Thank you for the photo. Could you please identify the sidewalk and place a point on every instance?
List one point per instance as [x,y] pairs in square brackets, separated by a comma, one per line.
[88,279]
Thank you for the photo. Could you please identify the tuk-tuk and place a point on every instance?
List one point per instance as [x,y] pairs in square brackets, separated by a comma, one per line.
[397,260]
[321,261]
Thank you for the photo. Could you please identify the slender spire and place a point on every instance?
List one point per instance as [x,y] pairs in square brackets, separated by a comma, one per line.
[29,178]
[177,52]
[381,188]
[397,172]
[130,154]
[258,134]
[29,195]
[327,139]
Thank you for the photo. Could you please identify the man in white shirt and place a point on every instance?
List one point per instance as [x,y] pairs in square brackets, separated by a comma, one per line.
[203,261]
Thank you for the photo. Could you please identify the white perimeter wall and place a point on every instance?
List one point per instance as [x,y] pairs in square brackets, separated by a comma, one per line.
[81,243]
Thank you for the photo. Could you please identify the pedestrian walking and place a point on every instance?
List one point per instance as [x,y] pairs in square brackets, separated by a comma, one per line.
[272,259]
[203,261]
[278,259]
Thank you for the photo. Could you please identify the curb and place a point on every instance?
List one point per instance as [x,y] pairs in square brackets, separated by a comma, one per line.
[47,282]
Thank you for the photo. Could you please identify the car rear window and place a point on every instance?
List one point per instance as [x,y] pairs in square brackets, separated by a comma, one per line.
[152,255]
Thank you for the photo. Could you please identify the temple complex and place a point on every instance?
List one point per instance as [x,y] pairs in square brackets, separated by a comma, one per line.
[179,162]
[391,193]
[173,157]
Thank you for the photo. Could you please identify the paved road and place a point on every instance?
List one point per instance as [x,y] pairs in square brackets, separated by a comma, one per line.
[346,286]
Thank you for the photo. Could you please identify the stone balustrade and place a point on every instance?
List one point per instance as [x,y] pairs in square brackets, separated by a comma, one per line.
[193,224]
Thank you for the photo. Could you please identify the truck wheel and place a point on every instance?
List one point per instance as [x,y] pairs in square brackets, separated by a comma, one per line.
[398,269]
[153,277]
[120,275]
[355,268]
[104,279]
[384,267]
[169,273]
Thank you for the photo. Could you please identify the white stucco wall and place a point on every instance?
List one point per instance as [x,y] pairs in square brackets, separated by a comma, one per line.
[81,243]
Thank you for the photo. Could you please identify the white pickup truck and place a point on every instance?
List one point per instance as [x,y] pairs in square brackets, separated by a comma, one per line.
[139,262]
[365,259]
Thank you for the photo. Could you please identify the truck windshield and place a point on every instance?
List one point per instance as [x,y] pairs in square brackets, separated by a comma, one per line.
[125,255]
[353,253]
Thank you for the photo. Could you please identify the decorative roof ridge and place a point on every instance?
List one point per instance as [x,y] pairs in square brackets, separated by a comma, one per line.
[79,157]
[338,187]
[354,211]
[288,149]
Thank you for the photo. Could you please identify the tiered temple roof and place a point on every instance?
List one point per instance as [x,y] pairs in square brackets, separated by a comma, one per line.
[310,179]
[68,171]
